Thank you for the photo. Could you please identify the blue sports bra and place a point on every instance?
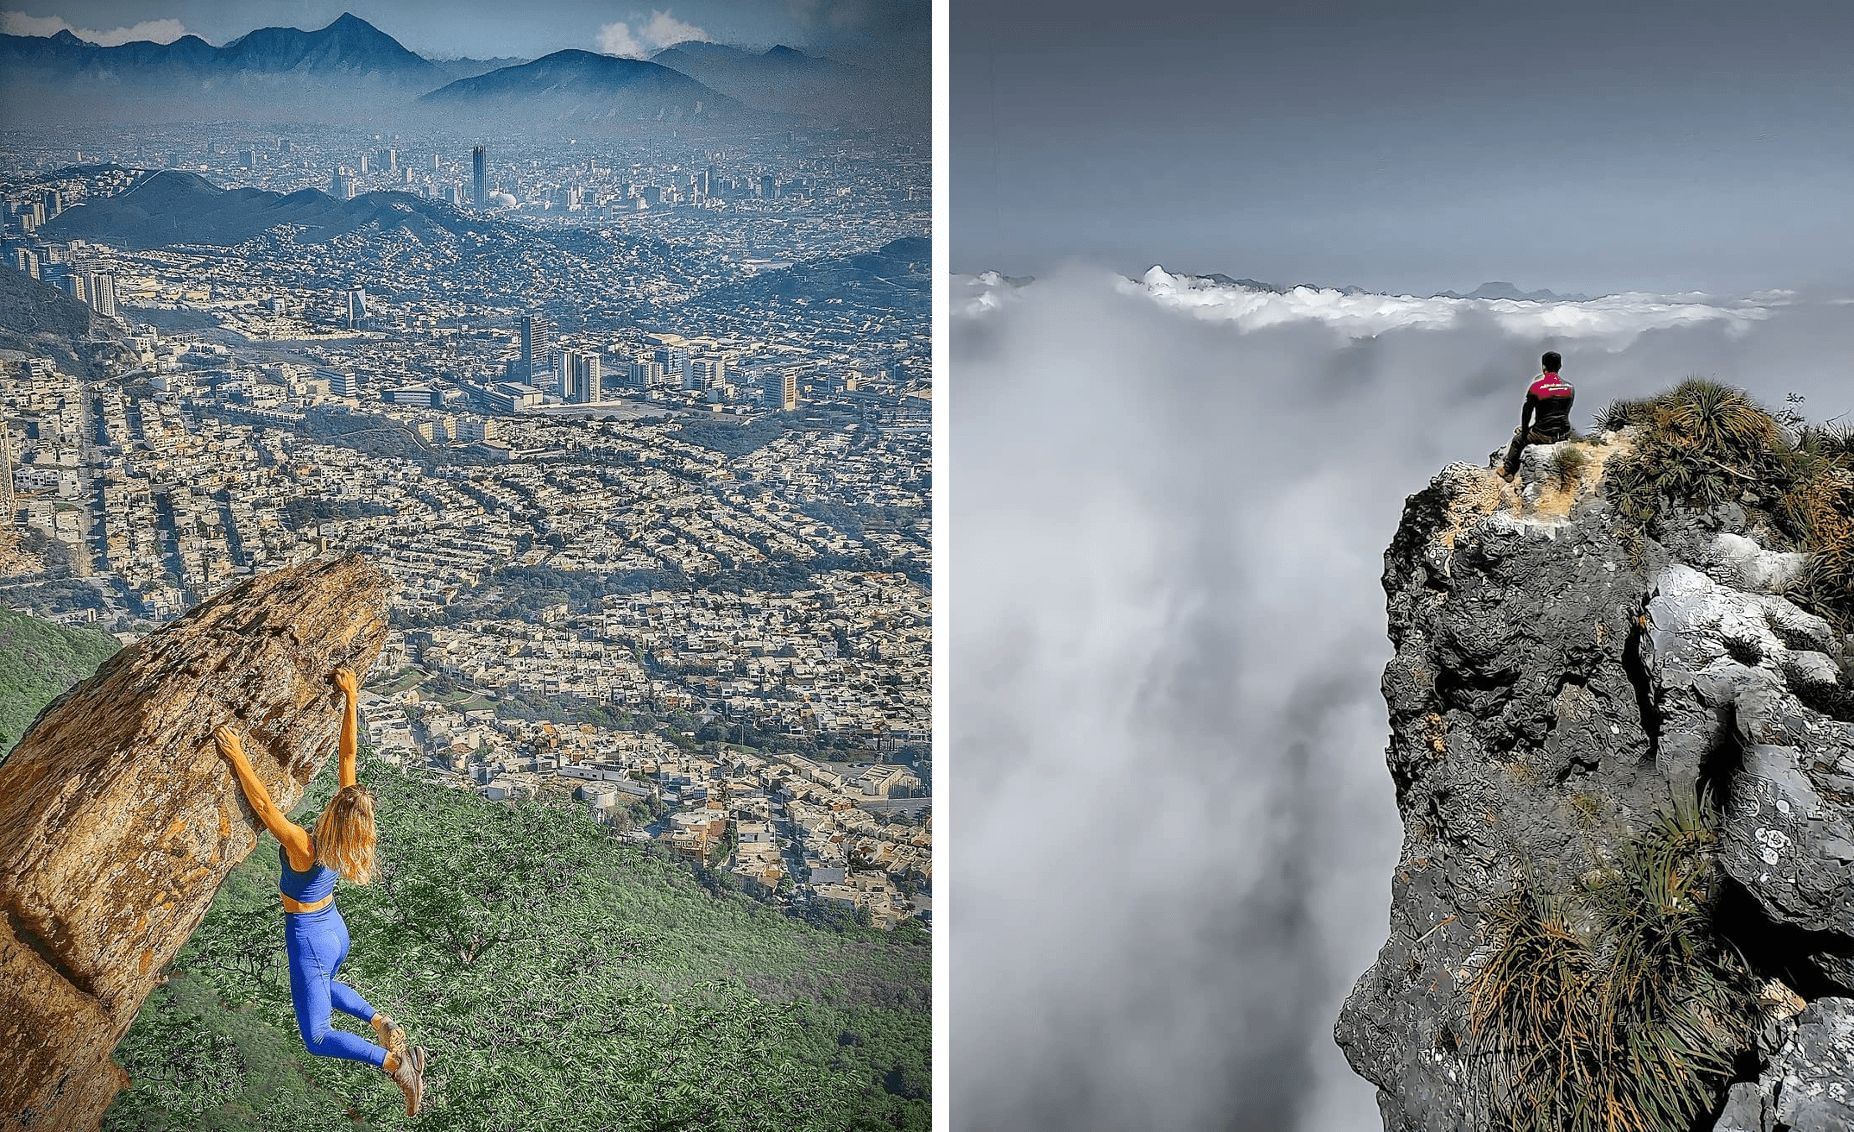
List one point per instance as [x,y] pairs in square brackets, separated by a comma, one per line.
[305,887]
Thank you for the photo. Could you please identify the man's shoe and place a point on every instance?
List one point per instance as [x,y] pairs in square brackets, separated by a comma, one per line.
[409,1074]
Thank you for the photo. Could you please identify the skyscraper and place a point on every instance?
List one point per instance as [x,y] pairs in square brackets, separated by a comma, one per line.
[675,363]
[342,383]
[101,289]
[579,378]
[537,342]
[479,164]
[646,373]
[781,389]
[357,307]
[6,476]
[706,373]
[586,379]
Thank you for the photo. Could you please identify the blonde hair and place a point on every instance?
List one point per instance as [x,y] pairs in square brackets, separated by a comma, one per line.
[345,833]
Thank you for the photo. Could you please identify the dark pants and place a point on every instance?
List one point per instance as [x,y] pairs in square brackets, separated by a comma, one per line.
[1523,437]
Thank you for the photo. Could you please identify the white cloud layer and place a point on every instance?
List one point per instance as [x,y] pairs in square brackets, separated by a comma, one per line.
[649,37]
[156,31]
[1171,826]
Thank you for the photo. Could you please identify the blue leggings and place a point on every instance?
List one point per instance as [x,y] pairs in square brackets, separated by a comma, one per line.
[317,943]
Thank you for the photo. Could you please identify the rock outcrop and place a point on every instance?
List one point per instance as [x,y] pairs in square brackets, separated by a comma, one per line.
[1555,683]
[119,820]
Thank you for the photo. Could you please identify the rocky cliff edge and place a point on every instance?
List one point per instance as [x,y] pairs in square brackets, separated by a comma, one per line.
[1560,680]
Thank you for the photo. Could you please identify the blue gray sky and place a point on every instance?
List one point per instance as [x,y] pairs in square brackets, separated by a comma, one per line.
[855,31]
[1416,146]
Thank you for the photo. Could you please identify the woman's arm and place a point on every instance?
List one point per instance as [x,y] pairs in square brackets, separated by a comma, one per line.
[295,838]
[350,722]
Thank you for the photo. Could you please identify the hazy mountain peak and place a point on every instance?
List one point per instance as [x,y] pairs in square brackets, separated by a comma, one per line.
[349,43]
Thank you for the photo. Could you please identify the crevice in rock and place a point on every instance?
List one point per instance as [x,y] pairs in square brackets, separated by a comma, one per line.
[1637,670]
[1463,689]
[1776,950]
[44,951]
[1724,758]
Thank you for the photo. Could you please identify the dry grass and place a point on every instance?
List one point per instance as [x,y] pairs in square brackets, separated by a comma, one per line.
[1575,468]
[1588,806]
[1478,497]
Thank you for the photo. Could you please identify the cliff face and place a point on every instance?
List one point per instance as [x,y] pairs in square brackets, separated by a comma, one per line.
[119,820]
[1551,692]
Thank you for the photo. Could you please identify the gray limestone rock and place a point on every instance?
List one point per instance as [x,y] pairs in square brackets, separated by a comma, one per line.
[1549,694]
[1808,1082]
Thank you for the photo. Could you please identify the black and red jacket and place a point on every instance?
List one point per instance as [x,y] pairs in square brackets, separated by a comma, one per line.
[1550,399]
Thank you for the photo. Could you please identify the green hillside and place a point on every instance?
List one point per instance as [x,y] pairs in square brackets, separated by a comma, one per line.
[38,661]
[562,980]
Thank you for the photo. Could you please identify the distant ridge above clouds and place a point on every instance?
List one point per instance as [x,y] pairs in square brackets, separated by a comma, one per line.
[1356,312]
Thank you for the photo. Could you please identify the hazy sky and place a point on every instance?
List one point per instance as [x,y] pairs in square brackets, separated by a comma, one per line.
[1171,829]
[1419,145]
[852,30]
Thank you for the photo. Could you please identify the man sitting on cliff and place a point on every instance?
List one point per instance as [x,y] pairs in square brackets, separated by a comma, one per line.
[1550,398]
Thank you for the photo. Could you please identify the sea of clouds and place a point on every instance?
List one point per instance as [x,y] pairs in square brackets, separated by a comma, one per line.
[1170,825]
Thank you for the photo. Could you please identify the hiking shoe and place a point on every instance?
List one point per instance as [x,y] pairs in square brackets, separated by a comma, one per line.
[409,1075]
[392,1038]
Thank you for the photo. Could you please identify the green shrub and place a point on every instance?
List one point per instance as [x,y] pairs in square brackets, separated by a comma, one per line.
[1618,1008]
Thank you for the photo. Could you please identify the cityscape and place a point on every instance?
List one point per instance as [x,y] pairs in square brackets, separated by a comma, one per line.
[639,423]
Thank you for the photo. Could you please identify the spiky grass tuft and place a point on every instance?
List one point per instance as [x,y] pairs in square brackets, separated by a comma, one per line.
[1567,466]
[1703,443]
[1620,1011]
[1619,414]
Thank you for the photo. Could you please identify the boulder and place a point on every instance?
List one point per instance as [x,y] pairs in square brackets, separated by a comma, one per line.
[119,820]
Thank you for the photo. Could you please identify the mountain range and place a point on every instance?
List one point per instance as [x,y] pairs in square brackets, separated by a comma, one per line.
[351,70]
[584,87]
[175,207]
[1499,290]
[1494,290]
[350,47]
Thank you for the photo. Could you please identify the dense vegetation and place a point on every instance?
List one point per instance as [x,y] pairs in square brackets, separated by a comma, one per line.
[38,661]
[561,979]
[1617,1008]
[1703,443]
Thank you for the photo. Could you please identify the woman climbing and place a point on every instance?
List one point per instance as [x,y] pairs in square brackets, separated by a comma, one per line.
[314,934]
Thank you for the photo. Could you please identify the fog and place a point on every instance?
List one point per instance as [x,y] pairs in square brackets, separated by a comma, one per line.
[1171,828]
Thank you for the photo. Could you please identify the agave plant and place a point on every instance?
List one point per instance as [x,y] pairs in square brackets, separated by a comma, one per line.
[1632,1026]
